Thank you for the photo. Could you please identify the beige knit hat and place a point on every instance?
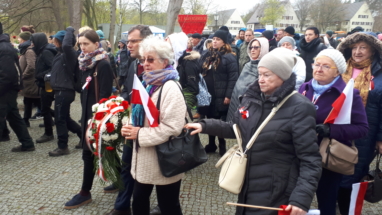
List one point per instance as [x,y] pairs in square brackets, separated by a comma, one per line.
[280,61]
[336,56]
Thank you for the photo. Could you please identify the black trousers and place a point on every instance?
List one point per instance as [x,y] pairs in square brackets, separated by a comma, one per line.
[343,199]
[64,124]
[327,191]
[167,195]
[47,99]
[29,103]
[10,111]
[88,158]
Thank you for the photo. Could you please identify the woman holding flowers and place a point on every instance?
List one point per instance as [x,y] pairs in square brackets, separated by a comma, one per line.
[157,57]
[95,68]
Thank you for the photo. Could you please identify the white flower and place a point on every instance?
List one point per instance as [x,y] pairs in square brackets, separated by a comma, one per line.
[94,145]
[125,120]
[114,136]
[95,107]
[106,137]
[119,98]
[114,119]
[103,128]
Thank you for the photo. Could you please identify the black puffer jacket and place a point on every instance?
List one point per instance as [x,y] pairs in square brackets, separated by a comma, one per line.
[123,64]
[224,80]
[64,64]
[10,72]
[308,51]
[45,53]
[284,164]
[188,69]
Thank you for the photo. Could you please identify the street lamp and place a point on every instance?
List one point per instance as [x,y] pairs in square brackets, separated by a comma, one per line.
[216,18]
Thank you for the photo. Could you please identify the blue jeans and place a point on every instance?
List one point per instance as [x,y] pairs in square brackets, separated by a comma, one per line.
[123,199]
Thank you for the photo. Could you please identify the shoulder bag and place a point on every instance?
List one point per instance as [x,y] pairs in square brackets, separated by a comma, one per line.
[374,188]
[203,97]
[232,173]
[182,153]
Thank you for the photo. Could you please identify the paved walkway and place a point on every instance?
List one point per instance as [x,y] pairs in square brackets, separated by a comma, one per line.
[34,183]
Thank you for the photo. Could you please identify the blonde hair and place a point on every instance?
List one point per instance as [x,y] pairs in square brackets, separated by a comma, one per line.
[84,28]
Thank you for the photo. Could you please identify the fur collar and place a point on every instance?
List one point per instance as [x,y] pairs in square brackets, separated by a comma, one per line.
[193,55]
[286,88]
[344,47]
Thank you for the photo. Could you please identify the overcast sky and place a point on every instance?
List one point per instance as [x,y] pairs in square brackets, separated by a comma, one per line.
[242,5]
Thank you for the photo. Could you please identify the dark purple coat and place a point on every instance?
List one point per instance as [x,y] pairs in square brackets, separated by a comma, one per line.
[343,133]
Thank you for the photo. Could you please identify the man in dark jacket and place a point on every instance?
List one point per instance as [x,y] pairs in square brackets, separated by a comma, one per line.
[123,61]
[10,84]
[197,42]
[310,46]
[244,58]
[45,53]
[135,36]
[62,82]
[332,41]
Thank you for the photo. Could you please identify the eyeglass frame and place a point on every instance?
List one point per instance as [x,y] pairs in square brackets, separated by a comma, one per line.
[323,66]
[149,60]
[133,41]
[254,47]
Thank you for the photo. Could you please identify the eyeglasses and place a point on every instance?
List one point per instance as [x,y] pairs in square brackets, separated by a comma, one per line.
[133,41]
[149,60]
[324,67]
[254,47]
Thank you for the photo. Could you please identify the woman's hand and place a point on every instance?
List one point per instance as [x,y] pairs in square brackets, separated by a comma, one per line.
[130,132]
[295,210]
[227,101]
[196,126]
[379,147]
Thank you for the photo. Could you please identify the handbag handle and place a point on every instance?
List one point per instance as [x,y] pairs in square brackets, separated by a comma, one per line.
[265,122]
[237,132]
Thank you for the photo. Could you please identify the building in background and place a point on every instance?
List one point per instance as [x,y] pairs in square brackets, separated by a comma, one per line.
[230,18]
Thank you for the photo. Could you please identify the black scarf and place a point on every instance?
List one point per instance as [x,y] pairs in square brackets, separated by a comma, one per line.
[24,46]
[309,46]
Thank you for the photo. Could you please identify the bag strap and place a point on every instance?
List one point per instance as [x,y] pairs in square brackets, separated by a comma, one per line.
[237,132]
[160,97]
[265,122]
[95,74]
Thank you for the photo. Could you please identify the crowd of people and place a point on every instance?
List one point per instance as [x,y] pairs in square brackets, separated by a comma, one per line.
[245,77]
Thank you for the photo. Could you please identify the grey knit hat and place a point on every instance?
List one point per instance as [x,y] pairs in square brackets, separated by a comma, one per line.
[26,35]
[280,61]
[287,39]
[336,56]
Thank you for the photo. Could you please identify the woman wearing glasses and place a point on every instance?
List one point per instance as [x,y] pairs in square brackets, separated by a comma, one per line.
[325,87]
[257,48]
[220,70]
[159,76]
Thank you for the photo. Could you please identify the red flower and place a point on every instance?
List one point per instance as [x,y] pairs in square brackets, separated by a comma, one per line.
[102,101]
[110,127]
[96,136]
[125,104]
[14,37]
[94,126]
[110,148]
[99,115]
[95,153]
[112,97]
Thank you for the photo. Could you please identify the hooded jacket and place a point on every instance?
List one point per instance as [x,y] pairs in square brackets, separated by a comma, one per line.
[178,44]
[373,107]
[27,64]
[45,53]
[10,73]
[200,46]
[123,60]
[283,164]
[308,51]
[64,64]
[247,77]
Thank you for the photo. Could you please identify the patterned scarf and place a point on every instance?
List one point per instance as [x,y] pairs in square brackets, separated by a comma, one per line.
[151,81]
[87,61]
[363,80]
[213,59]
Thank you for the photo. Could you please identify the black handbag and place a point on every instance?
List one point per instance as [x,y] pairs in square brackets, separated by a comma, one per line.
[182,153]
[374,189]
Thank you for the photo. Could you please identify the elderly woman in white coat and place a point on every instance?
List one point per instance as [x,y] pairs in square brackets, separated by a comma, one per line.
[157,57]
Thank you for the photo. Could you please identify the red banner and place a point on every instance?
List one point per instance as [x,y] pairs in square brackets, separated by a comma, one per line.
[191,24]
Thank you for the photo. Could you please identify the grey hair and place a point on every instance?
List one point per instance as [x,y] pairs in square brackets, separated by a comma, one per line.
[159,46]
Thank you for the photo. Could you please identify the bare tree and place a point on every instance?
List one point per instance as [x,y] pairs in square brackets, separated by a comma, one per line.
[113,8]
[199,6]
[272,11]
[326,13]
[56,11]
[302,9]
[141,6]
[173,10]
[77,15]
[122,11]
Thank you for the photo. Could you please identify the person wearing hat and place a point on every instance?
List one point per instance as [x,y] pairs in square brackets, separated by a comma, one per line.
[241,37]
[325,87]
[299,69]
[27,62]
[62,82]
[289,31]
[197,42]
[271,39]
[219,69]
[332,41]
[10,85]
[283,164]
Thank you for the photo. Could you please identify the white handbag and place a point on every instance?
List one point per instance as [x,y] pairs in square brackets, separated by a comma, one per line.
[232,173]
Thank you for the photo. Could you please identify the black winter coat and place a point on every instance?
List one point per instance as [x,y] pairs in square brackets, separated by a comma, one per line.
[45,53]
[64,64]
[128,84]
[10,72]
[188,69]
[308,51]
[123,64]
[224,80]
[284,163]
[88,96]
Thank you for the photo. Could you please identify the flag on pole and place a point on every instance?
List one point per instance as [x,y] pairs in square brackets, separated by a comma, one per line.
[140,96]
[356,199]
[341,111]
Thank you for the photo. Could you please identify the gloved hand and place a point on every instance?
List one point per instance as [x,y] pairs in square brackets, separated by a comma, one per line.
[323,130]
[47,77]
